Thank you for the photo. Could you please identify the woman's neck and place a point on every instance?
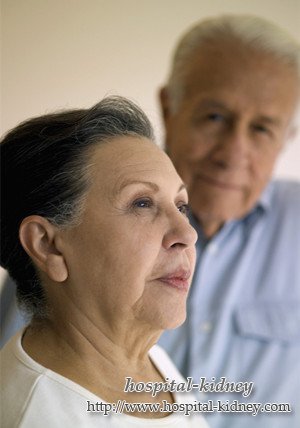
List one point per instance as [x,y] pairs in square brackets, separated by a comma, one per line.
[99,358]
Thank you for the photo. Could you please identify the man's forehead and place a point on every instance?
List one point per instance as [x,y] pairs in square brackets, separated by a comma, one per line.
[264,79]
[230,56]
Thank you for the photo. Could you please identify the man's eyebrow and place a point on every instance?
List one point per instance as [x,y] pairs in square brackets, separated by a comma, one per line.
[213,103]
[269,120]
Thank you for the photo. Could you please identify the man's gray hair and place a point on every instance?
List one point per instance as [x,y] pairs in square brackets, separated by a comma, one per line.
[252,31]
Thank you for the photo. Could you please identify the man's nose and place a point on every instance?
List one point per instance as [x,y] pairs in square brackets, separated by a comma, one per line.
[232,149]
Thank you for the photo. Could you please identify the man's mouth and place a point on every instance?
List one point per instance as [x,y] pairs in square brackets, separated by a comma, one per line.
[219,183]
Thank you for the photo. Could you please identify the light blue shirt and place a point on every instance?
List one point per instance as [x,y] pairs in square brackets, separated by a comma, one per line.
[11,318]
[243,311]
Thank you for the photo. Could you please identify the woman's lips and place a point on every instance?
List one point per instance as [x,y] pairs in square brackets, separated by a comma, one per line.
[178,280]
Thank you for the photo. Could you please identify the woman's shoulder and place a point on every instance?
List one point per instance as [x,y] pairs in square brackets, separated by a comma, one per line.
[31,394]
[164,364]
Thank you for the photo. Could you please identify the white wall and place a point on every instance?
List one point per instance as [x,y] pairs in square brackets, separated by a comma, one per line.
[70,53]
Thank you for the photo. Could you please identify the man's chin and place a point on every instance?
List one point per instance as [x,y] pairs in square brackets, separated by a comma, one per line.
[217,212]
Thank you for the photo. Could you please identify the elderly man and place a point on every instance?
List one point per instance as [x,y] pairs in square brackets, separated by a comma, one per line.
[229,108]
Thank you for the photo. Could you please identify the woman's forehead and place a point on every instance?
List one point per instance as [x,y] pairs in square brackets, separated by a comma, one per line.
[128,154]
[119,163]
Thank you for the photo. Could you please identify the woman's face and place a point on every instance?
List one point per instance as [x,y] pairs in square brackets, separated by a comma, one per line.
[132,256]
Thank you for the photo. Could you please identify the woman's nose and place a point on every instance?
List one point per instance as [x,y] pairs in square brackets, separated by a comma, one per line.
[180,233]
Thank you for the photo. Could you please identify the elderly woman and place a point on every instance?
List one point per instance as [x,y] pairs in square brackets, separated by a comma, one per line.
[95,235]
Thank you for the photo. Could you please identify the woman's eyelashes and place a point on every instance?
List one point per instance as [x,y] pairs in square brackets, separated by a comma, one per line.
[184,209]
[144,203]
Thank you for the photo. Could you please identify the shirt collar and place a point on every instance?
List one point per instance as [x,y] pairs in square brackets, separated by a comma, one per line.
[266,197]
[262,206]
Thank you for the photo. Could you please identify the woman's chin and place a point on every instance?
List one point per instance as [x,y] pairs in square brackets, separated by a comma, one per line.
[171,321]
[162,313]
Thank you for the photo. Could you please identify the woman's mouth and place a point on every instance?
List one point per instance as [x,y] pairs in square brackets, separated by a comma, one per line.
[178,279]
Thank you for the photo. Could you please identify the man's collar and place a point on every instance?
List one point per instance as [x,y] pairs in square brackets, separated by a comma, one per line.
[261,207]
[266,197]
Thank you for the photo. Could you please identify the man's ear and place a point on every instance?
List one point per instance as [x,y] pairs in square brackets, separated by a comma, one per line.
[164,104]
[164,97]
[292,133]
[38,238]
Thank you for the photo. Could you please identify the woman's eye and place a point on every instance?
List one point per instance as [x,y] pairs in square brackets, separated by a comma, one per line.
[143,203]
[184,209]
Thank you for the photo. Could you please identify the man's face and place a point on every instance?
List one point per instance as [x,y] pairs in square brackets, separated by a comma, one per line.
[229,128]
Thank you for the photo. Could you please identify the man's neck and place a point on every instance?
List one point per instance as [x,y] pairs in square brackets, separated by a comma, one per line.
[210,227]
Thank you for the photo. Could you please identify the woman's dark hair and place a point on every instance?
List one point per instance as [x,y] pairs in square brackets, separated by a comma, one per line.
[44,165]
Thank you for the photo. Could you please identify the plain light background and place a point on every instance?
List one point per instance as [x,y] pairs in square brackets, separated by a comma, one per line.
[70,53]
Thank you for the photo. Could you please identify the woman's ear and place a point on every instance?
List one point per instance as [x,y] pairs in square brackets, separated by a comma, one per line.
[37,236]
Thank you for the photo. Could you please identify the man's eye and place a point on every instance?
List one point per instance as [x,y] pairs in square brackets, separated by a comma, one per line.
[184,209]
[143,203]
[260,128]
[215,117]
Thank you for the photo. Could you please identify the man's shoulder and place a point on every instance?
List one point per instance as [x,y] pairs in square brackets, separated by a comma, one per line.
[286,195]
[286,187]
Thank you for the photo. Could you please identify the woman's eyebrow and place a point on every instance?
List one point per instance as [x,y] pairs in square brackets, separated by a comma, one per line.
[150,184]
[127,183]
[182,187]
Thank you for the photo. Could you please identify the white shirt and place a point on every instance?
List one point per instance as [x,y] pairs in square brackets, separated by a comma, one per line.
[34,396]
